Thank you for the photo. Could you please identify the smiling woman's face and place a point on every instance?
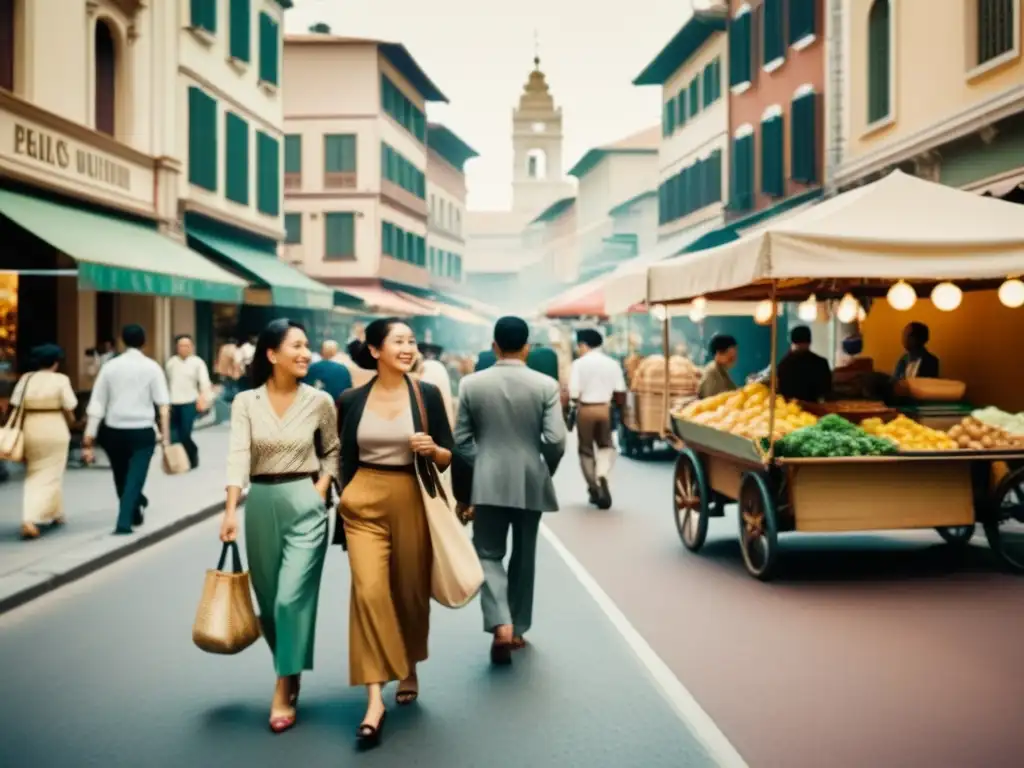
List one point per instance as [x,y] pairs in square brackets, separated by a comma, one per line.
[293,356]
[398,351]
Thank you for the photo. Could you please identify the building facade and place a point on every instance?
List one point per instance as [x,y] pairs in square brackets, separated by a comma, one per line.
[966,131]
[447,155]
[776,113]
[356,160]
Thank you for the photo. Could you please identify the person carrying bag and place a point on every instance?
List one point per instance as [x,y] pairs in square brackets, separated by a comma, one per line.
[12,434]
[226,621]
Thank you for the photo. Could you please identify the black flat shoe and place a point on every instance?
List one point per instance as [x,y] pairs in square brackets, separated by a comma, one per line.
[368,736]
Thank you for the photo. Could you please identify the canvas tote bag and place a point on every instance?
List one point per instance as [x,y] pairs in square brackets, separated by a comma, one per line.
[12,434]
[226,621]
[176,459]
[456,574]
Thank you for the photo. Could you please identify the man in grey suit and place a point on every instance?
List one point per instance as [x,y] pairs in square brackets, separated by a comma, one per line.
[510,427]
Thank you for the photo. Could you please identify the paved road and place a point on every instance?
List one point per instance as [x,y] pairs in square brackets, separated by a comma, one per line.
[867,650]
[103,673]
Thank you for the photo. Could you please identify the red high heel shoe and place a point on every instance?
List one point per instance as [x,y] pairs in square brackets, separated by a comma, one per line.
[282,723]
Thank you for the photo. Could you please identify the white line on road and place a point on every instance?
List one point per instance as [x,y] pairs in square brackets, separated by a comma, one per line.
[682,701]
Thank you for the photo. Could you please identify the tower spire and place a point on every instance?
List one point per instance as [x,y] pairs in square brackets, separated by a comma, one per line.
[536,49]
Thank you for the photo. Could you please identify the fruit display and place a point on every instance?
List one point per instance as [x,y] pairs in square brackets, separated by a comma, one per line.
[744,412]
[649,375]
[1010,422]
[909,435]
[973,434]
[833,437]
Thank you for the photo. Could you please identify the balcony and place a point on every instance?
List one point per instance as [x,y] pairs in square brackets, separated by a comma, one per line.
[292,181]
[401,198]
[335,180]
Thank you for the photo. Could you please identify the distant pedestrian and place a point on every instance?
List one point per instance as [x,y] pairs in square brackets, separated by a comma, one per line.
[596,382]
[485,360]
[128,391]
[228,369]
[383,519]
[275,428]
[329,373]
[510,426]
[433,371]
[543,360]
[191,394]
[48,402]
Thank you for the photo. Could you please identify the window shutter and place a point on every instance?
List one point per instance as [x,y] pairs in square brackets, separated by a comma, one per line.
[293,154]
[743,173]
[385,238]
[695,96]
[241,30]
[268,175]
[739,50]
[878,61]
[680,102]
[269,45]
[716,176]
[236,158]
[772,173]
[204,14]
[662,203]
[804,139]
[801,20]
[293,228]
[774,31]
[339,235]
[671,214]
[667,117]
[202,139]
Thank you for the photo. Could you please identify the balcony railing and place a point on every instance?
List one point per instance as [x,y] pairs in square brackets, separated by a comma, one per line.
[335,180]
[293,181]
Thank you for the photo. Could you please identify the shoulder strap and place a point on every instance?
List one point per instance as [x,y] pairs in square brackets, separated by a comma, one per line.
[418,394]
[17,419]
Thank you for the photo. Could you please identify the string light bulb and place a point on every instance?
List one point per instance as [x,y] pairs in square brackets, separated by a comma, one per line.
[763,312]
[847,309]
[862,314]
[702,303]
[808,310]
[901,296]
[696,312]
[1011,293]
[946,297]
[659,313]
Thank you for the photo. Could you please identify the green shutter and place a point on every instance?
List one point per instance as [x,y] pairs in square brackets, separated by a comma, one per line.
[270,44]
[802,21]
[236,158]
[743,173]
[387,233]
[804,139]
[293,228]
[340,153]
[268,174]
[202,139]
[241,30]
[662,203]
[293,153]
[339,235]
[772,157]
[878,61]
[668,121]
[399,244]
[204,15]
[695,96]
[774,22]
[716,176]
[421,251]
[739,50]
[709,84]
[681,112]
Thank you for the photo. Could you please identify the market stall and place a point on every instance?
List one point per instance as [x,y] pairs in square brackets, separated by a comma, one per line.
[861,466]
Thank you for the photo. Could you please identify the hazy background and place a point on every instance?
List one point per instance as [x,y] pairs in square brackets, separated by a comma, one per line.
[480,53]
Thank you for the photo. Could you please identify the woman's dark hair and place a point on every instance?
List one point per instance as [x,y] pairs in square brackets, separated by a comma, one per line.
[272,337]
[376,333]
[45,356]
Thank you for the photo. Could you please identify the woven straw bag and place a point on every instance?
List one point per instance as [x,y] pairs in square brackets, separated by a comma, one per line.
[226,622]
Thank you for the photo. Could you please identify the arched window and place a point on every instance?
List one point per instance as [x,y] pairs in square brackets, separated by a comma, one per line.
[879,61]
[105,78]
[537,164]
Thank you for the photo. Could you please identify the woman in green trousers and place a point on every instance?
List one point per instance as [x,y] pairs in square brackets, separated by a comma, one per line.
[275,429]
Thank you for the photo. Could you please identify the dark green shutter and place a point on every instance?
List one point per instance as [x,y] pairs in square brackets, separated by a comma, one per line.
[709,84]
[293,228]
[772,149]
[241,30]
[695,96]
[339,235]
[399,243]
[293,153]
[268,175]
[662,203]
[204,14]
[340,153]
[681,111]
[668,120]
[802,21]
[716,176]
[202,139]
[878,61]
[804,139]
[236,158]
[774,46]
[739,50]
[386,235]
[742,192]
[269,46]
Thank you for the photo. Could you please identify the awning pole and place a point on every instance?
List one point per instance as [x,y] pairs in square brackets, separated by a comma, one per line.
[665,330]
[773,379]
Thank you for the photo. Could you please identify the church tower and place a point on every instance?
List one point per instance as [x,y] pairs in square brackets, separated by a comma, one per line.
[537,179]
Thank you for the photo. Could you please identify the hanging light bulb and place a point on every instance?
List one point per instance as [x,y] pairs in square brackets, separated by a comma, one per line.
[847,309]
[763,312]
[658,312]
[901,296]
[702,303]
[696,312]
[808,310]
[862,314]
[946,297]
[1011,293]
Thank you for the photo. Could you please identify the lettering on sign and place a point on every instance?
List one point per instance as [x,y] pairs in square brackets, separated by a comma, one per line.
[58,152]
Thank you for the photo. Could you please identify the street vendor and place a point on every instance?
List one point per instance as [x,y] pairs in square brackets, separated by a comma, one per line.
[803,375]
[715,379]
[918,362]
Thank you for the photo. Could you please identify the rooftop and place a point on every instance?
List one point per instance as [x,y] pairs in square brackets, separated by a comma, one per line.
[396,54]
[448,145]
[688,40]
[644,142]
[554,210]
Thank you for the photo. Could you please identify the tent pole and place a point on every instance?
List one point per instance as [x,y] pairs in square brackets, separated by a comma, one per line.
[665,330]
[773,378]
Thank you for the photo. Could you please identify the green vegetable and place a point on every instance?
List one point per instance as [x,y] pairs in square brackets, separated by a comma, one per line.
[833,437]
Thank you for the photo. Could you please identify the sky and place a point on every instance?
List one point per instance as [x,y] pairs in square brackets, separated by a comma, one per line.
[480,54]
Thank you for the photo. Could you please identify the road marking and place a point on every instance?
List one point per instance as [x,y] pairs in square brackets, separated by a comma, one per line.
[682,701]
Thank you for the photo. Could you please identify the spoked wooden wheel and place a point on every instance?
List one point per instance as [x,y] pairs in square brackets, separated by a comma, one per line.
[957,536]
[1004,521]
[758,527]
[690,500]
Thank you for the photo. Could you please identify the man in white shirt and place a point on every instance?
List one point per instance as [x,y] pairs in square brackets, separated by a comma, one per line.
[129,390]
[191,393]
[595,381]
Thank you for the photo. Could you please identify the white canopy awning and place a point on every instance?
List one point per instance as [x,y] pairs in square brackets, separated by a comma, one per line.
[898,228]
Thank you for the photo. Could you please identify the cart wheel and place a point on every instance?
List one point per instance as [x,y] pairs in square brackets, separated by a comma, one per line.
[690,501]
[957,536]
[758,527]
[1004,521]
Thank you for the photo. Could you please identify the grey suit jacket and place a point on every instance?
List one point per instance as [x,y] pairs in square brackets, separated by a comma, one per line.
[510,427]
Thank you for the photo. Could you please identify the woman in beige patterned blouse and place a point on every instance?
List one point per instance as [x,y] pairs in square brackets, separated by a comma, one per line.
[274,427]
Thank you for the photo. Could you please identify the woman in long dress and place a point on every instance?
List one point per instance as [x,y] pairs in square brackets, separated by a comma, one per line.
[275,427]
[49,403]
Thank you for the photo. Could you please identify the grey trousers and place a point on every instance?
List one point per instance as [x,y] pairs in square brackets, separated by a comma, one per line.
[506,597]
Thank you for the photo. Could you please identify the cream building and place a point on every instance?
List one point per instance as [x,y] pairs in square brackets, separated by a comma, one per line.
[356,161]
[89,181]
[447,155]
[936,88]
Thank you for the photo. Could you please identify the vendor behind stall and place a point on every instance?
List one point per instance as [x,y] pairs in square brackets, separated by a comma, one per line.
[918,362]
[716,379]
[803,375]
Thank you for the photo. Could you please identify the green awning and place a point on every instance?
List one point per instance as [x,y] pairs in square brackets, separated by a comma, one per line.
[121,256]
[288,286]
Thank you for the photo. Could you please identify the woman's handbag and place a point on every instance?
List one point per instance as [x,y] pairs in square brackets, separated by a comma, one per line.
[176,460]
[226,622]
[12,434]
[456,574]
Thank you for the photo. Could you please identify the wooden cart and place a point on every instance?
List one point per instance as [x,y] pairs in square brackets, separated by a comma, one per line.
[950,492]
[643,424]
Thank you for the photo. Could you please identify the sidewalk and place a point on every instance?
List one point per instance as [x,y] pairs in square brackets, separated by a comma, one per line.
[31,568]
